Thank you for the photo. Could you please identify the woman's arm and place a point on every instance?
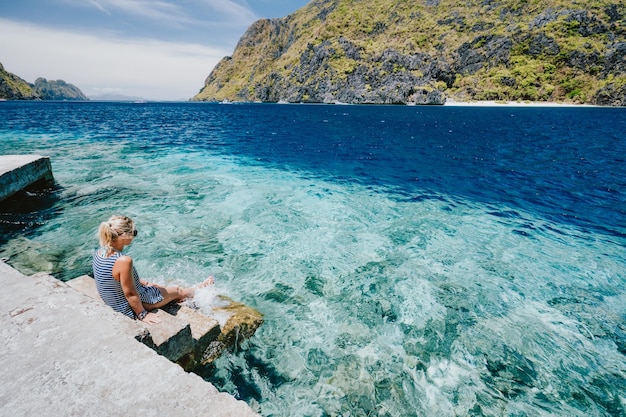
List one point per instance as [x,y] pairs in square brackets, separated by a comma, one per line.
[150,284]
[123,272]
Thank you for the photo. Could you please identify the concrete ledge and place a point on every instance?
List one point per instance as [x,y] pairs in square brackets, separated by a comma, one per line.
[204,331]
[170,338]
[62,354]
[187,336]
[17,172]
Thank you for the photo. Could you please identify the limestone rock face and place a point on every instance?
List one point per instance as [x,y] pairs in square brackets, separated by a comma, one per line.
[422,52]
[57,90]
[610,95]
[13,87]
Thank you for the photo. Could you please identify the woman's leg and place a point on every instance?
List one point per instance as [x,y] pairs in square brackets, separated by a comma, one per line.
[169,294]
[177,294]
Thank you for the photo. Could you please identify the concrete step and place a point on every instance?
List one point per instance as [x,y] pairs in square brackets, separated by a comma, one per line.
[17,172]
[64,354]
[86,285]
[172,337]
[205,332]
[186,335]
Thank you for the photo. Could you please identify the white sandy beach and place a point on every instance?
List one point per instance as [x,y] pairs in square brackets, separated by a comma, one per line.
[492,103]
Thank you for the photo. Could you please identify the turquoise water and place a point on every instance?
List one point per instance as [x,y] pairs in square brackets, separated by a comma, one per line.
[408,261]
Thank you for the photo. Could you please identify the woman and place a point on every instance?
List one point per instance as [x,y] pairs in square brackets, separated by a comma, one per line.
[117,280]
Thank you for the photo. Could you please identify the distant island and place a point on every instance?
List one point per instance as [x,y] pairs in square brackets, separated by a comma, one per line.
[428,51]
[13,87]
[116,97]
[57,90]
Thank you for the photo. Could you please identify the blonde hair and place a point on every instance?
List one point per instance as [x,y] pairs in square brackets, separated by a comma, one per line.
[113,228]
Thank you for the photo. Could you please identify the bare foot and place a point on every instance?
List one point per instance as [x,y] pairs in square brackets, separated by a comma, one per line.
[209,281]
[191,292]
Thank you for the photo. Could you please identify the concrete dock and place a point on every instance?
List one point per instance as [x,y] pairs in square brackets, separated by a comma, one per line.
[63,354]
[18,172]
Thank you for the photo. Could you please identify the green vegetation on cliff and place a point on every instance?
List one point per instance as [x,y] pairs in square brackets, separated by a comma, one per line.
[384,51]
[57,90]
[13,87]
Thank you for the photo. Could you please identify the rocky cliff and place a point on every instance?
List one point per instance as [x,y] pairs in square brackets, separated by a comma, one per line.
[57,90]
[13,87]
[426,51]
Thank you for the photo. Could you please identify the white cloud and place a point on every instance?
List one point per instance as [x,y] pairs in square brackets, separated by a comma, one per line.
[146,68]
[233,9]
[175,13]
[99,6]
[161,11]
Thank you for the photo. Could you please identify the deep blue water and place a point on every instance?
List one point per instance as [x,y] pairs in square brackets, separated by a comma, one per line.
[566,164]
[408,260]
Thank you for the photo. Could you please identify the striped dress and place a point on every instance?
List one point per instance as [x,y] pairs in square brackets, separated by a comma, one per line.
[111,290]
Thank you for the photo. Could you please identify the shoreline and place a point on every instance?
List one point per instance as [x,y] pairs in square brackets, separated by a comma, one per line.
[448,102]
[494,103]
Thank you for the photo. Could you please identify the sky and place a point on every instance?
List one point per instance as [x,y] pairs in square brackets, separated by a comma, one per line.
[149,49]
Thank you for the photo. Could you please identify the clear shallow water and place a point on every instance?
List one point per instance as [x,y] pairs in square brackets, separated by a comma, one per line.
[408,260]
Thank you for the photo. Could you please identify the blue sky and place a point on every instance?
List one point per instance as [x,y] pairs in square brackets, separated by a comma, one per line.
[154,49]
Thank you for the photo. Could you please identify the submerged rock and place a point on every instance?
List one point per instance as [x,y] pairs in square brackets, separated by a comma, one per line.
[241,323]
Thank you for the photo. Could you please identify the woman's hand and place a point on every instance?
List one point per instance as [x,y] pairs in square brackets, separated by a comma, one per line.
[151,318]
